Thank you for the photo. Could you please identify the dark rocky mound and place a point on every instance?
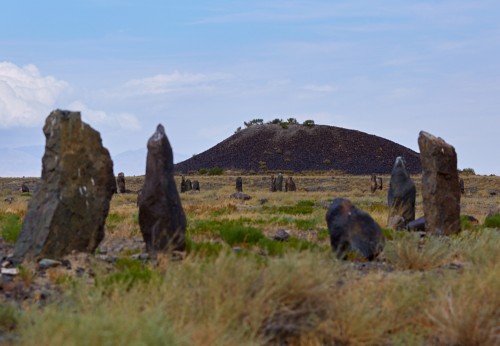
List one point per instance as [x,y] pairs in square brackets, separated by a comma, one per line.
[301,148]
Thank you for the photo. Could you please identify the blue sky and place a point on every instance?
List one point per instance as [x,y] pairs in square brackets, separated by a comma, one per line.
[201,68]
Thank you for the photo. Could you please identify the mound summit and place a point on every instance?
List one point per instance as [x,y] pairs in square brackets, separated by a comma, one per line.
[303,148]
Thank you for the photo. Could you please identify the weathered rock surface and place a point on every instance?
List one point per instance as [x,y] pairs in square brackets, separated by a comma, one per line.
[417,225]
[161,216]
[440,185]
[120,182]
[69,209]
[196,185]
[401,196]
[353,230]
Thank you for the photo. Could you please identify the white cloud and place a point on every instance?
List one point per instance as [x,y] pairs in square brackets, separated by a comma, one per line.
[125,121]
[176,81]
[26,97]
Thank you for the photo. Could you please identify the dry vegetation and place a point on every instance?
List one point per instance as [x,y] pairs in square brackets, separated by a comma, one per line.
[237,286]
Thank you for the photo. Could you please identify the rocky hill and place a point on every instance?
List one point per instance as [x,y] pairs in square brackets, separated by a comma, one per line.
[302,148]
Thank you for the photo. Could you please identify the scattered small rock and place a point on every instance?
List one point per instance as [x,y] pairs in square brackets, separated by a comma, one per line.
[281,235]
[242,196]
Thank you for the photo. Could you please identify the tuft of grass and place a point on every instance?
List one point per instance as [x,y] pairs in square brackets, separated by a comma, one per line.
[413,253]
[492,221]
[306,224]
[301,208]
[9,316]
[10,227]
[234,234]
[130,272]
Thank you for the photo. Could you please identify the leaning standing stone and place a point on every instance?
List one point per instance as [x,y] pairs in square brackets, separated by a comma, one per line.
[440,185]
[161,217]
[401,196]
[69,209]
[279,182]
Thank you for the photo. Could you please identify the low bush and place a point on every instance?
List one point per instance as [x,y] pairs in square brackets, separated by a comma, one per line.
[492,221]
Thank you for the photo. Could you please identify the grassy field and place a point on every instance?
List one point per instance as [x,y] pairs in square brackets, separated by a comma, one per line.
[237,286]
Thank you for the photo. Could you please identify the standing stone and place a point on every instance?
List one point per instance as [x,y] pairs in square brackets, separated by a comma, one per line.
[161,217]
[440,185]
[239,184]
[401,196]
[279,182]
[462,185]
[69,209]
[183,184]
[196,185]
[353,230]
[25,188]
[120,182]
[380,183]
[189,185]
[373,183]
[273,183]
[290,185]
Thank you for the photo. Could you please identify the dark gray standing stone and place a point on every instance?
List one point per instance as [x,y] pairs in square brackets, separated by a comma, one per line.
[290,185]
[373,183]
[353,230]
[401,196]
[183,185]
[273,183]
[25,188]
[161,217]
[440,185]
[189,185]
[239,184]
[69,209]
[380,183]
[462,185]
[196,185]
[279,182]
[120,182]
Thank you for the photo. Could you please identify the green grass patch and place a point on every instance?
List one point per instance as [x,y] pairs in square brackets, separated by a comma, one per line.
[8,318]
[205,249]
[301,208]
[238,234]
[306,224]
[129,273]
[392,234]
[113,220]
[10,227]
[492,221]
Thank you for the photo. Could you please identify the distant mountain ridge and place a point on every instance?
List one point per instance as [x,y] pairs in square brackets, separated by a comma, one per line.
[303,148]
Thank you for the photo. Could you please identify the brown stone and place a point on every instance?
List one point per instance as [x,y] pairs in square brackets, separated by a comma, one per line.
[161,217]
[440,185]
[239,184]
[69,209]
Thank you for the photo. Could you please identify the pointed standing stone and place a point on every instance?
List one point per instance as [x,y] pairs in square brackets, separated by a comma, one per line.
[440,185]
[161,217]
[401,196]
[69,209]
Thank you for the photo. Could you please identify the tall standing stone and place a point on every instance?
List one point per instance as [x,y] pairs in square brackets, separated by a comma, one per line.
[239,184]
[120,182]
[401,196]
[69,209]
[161,217]
[279,182]
[440,185]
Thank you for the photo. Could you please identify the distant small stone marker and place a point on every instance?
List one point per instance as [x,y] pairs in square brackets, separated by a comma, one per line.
[120,182]
[69,209]
[239,184]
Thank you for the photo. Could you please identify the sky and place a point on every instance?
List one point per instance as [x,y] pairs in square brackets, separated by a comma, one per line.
[201,68]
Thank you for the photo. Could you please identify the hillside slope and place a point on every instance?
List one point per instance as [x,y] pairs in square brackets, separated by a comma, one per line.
[301,148]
